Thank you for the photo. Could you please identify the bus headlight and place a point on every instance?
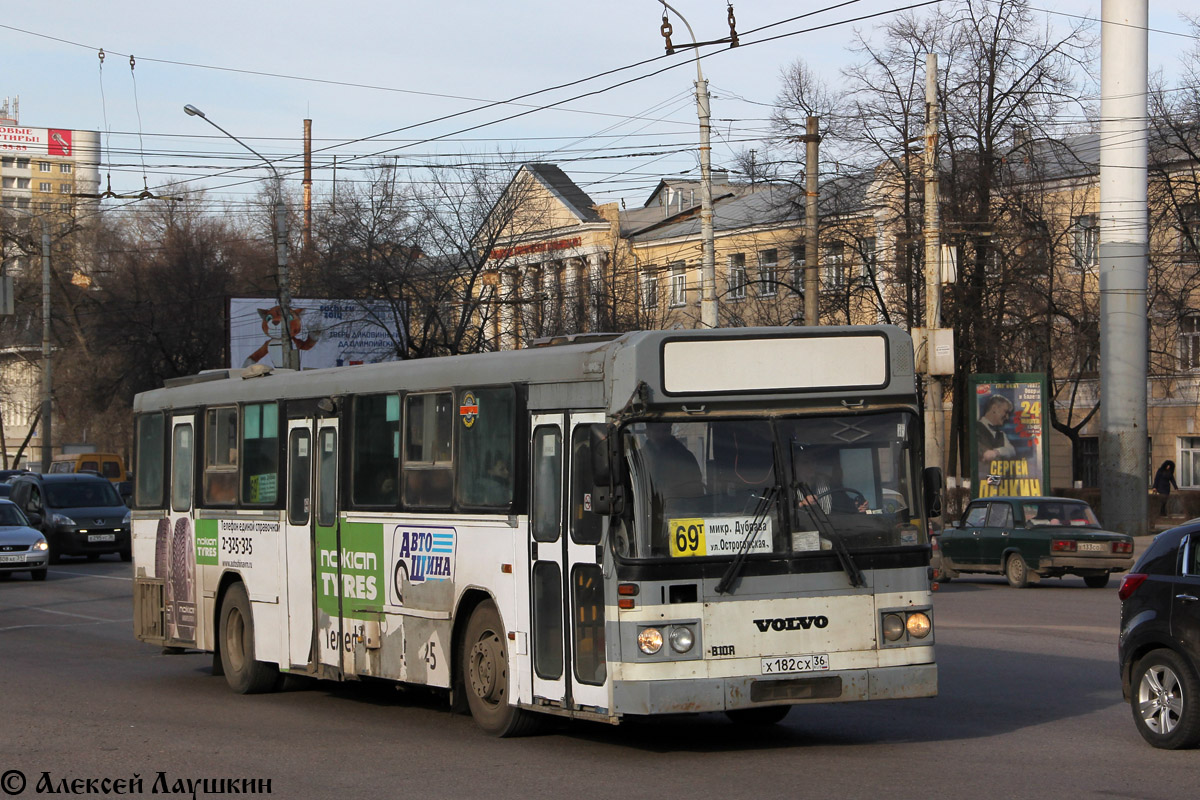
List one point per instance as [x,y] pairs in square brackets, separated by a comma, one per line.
[682,639]
[650,640]
[918,625]
[893,627]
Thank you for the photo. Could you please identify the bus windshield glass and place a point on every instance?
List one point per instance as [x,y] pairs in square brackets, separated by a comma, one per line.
[782,487]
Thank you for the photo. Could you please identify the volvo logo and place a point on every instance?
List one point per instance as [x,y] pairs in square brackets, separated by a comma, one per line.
[791,623]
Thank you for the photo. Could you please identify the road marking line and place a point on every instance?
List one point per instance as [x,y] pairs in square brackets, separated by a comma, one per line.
[90,575]
[64,624]
[64,613]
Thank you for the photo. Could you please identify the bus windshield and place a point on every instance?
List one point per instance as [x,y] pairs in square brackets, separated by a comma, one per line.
[776,487]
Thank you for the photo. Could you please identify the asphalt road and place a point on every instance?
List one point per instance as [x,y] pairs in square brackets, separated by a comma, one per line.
[1029,706]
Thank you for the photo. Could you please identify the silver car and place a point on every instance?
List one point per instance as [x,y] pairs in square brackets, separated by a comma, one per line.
[22,548]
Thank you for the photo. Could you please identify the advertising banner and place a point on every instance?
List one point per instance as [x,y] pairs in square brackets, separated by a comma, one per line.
[325,333]
[1008,418]
[36,141]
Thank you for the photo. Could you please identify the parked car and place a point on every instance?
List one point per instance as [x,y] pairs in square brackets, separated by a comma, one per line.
[1159,647]
[1030,538]
[79,514]
[22,548]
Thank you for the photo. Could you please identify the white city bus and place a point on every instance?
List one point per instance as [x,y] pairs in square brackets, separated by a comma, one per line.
[658,522]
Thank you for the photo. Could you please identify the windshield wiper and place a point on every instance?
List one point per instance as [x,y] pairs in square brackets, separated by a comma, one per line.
[826,529]
[765,501]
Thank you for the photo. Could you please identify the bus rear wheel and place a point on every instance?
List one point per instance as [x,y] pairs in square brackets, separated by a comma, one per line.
[485,676]
[244,673]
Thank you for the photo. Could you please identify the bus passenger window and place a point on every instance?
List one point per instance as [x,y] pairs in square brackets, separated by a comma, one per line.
[428,435]
[376,450]
[220,456]
[486,431]
[150,451]
[260,454]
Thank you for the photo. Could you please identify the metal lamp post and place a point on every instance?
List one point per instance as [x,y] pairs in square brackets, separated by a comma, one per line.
[281,251]
[708,268]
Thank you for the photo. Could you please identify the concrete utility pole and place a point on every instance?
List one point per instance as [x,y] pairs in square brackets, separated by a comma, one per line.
[1123,264]
[935,416]
[812,172]
[47,407]
[290,355]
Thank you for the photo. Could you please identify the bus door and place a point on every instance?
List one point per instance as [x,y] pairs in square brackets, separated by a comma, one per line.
[567,588]
[314,573]
[301,601]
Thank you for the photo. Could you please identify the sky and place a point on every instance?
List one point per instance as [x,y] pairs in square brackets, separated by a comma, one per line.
[377,77]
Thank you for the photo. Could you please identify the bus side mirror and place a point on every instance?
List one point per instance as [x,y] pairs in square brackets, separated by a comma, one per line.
[607,498]
[933,491]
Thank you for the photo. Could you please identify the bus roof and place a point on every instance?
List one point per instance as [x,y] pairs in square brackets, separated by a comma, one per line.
[753,365]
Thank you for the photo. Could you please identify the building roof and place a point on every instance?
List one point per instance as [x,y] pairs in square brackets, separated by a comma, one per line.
[566,190]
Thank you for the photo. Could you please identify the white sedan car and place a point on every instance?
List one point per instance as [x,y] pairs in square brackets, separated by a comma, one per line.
[22,548]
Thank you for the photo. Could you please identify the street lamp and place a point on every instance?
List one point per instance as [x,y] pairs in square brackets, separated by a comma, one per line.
[708,267]
[290,359]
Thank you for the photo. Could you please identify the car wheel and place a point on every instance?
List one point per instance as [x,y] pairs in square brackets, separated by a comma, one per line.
[38,574]
[244,673]
[765,715]
[1096,581]
[485,675]
[1016,571]
[1166,701]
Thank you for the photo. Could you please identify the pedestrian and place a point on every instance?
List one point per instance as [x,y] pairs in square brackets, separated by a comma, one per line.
[1164,479]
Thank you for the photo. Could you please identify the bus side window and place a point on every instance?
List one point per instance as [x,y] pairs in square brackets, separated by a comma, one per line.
[376,450]
[428,466]
[260,454]
[150,453]
[220,456]
[486,436]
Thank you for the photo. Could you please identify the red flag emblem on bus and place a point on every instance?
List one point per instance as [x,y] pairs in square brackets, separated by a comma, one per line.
[468,409]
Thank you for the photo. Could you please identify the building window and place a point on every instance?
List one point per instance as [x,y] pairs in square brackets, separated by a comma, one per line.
[64,207]
[22,163]
[1189,462]
[1085,239]
[798,264]
[1189,233]
[64,188]
[22,183]
[737,276]
[678,284]
[8,162]
[649,289]
[43,166]
[870,258]
[768,272]
[44,186]
[65,169]
[1189,341]
[833,267]
[9,183]
[44,206]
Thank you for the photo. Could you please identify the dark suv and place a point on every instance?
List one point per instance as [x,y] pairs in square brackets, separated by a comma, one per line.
[79,514]
[1160,639]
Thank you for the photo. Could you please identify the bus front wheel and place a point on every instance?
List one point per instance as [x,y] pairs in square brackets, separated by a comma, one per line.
[244,673]
[485,676]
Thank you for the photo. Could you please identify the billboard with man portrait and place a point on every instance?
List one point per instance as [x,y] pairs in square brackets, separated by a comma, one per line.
[1008,419]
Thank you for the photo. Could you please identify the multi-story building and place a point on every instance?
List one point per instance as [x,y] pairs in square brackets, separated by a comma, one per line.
[47,175]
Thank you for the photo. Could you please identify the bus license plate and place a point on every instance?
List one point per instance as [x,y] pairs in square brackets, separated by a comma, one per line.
[11,559]
[102,537]
[780,665]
